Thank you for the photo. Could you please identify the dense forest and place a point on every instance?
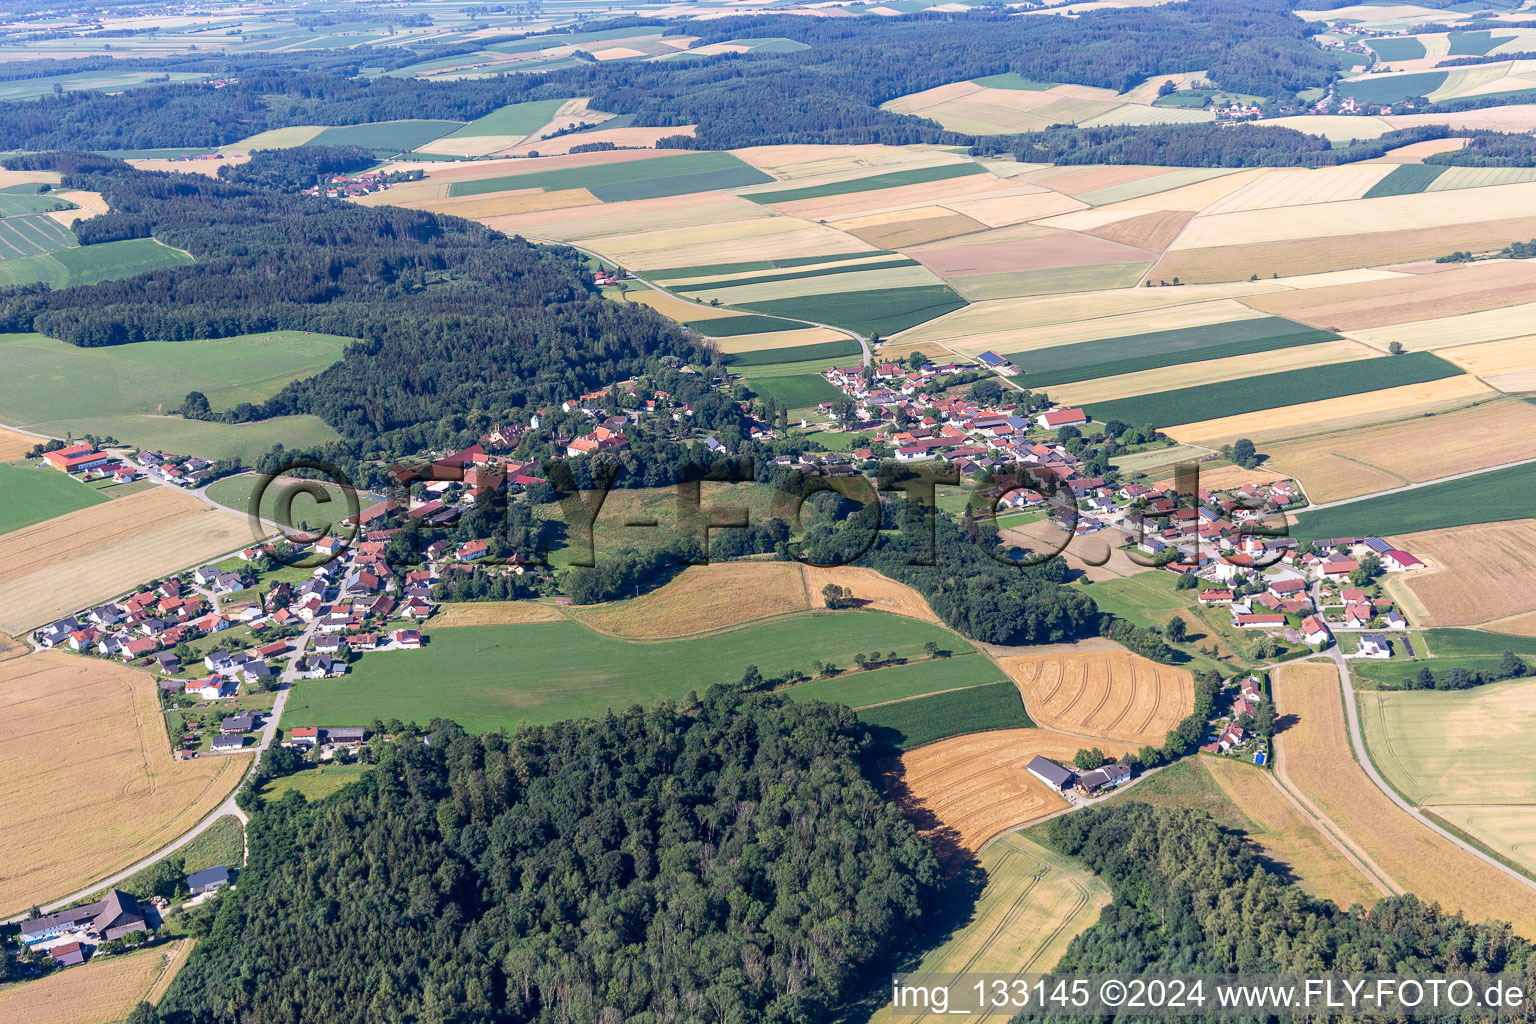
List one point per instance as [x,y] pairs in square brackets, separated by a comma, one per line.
[1191,897]
[725,862]
[1489,149]
[812,95]
[455,318]
[1199,145]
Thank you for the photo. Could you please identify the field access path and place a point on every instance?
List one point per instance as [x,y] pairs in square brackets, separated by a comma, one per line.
[863,341]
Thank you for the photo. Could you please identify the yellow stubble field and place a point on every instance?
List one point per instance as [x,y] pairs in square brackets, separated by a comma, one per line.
[102,991]
[1117,696]
[1348,463]
[1481,572]
[89,734]
[1315,750]
[702,599]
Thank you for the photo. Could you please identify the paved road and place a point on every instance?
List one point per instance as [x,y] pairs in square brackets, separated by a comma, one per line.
[863,341]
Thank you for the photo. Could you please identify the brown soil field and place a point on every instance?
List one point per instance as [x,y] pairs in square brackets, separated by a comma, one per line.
[1481,572]
[1336,413]
[1314,750]
[1095,556]
[89,734]
[14,445]
[58,578]
[102,991]
[1113,696]
[1348,463]
[35,547]
[1064,250]
[1286,836]
[963,791]
[871,589]
[1153,231]
[702,599]
[1466,289]
[1338,252]
[910,227]
[495,613]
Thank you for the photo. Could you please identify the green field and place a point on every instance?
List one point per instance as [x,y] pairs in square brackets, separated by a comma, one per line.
[91,264]
[911,723]
[891,179]
[1406,180]
[385,136]
[1485,498]
[796,368]
[1062,364]
[861,689]
[883,311]
[800,391]
[124,390]
[28,234]
[1273,390]
[15,203]
[827,350]
[632,179]
[1398,47]
[1013,80]
[735,326]
[37,493]
[315,783]
[708,269]
[1473,44]
[884,263]
[514,119]
[1017,283]
[304,512]
[494,677]
[1392,88]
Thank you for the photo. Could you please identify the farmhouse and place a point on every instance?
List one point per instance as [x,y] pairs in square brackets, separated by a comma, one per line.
[306,734]
[77,458]
[1052,774]
[108,919]
[1400,561]
[1108,777]
[1209,597]
[67,955]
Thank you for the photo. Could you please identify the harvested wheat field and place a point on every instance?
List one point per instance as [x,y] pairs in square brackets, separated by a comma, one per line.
[1286,836]
[870,589]
[1353,462]
[1067,249]
[1337,251]
[1500,363]
[1415,152]
[1336,413]
[1015,208]
[966,790]
[14,445]
[703,599]
[502,204]
[917,226]
[1400,300]
[1292,186]
[1481,572]
[1223,477]
[90,735]
[1034,903]
[776,339]
[1155,231]
[1452,332]
[1314,753]
[765,238]
[494,613]
[577,223]
[1114,696]
[670,305]
[102,553]
[101,991]
[970,187]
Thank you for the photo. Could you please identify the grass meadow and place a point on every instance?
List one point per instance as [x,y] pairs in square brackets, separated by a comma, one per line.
[91,264]
[492,677]
[35,494]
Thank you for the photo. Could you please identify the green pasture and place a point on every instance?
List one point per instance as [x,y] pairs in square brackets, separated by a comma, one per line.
[36,493]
